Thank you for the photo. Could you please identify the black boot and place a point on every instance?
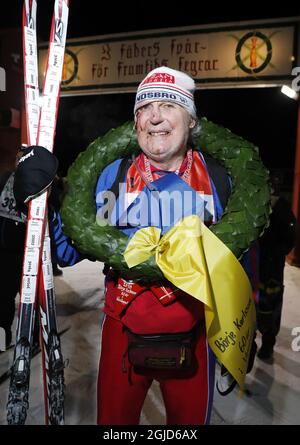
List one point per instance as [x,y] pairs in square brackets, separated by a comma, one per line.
[265,352]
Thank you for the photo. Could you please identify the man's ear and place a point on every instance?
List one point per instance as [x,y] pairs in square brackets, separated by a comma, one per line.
[192,123]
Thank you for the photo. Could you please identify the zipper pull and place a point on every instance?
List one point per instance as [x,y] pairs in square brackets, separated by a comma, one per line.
[182,355]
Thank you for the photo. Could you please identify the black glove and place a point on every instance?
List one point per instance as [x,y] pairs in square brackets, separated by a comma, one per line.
[35,172]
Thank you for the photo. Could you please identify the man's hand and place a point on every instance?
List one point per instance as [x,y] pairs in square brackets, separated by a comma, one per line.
[35,172]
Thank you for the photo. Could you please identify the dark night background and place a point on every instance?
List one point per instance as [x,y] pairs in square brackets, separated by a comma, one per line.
[264,116]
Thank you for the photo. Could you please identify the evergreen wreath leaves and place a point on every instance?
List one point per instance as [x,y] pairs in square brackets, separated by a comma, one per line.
[243,221]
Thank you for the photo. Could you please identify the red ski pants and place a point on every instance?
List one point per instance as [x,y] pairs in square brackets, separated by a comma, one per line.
[121,390]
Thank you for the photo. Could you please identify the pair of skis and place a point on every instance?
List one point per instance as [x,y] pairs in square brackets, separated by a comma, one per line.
[37,298]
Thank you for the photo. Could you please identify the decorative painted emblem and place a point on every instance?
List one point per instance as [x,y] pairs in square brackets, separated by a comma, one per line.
[253,52]
[70,68]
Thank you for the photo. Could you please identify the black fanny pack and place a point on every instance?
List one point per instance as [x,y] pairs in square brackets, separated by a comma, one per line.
[162,351]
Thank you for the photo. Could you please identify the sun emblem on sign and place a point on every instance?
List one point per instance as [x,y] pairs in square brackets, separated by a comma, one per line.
[253,52]
[70,67]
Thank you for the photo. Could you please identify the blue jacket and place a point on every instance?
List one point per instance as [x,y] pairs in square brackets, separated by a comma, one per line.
[64,250]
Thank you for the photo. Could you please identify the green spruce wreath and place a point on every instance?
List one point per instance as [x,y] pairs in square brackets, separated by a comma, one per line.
[243,221]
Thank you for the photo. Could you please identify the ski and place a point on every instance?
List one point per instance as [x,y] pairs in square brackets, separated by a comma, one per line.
[53,364]
[34,352]
[37,289]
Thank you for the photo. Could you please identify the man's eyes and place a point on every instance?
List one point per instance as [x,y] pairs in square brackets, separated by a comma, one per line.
[145,108]
[149,107]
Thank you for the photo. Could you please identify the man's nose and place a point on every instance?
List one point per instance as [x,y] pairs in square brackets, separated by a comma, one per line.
[156,115]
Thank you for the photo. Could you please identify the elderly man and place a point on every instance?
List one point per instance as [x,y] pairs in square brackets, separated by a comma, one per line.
[166,126]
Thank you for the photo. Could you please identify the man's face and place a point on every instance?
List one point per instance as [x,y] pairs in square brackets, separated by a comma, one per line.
[163,130]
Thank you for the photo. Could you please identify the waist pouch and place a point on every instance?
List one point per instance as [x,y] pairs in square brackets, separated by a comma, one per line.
[161,351]
[146,315]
